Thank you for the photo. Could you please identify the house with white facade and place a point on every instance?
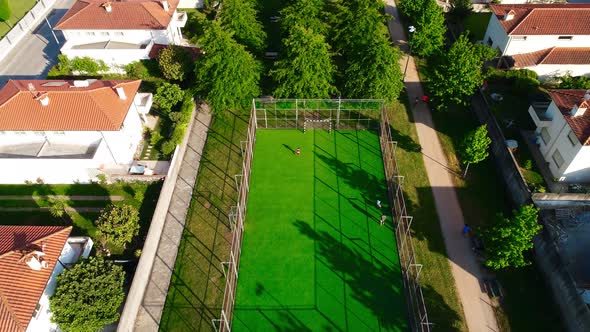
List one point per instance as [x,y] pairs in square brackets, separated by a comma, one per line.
[69,131]
[120,32]
[563,134]
[552,39]
[31,258]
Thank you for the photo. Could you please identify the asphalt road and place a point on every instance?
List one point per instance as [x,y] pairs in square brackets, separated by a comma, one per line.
[37,52]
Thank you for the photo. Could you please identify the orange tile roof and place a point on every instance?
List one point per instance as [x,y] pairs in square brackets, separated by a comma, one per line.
[565,100]
[554,56]
[124,15]
[20,286]
[92,108]
[551,19]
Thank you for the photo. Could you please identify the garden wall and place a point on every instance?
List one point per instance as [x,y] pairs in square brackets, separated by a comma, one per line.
[503,158]
[26,24]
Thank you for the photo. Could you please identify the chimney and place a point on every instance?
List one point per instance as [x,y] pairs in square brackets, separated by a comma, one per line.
[165,5]
[509,16]
[121,93]
[43,99]
[107,6]
[579,110]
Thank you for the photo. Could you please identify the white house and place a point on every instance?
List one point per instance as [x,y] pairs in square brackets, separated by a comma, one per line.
[563,130]
[120,32]
[31,258]
[68,131]
[550,39]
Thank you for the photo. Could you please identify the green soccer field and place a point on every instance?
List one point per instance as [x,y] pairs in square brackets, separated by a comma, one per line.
[314,255]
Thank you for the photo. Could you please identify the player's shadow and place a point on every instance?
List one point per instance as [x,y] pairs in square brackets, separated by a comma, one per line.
[376,285]
[289,148]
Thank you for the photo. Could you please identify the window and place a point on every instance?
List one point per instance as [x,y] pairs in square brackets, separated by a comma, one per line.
[517,38]
[20,132]
[565,37]
[573,138]
[37,310]
[104,33]
[59,133]
[545,135]
[90,33]
[557,158]
[39,133]
[119,33]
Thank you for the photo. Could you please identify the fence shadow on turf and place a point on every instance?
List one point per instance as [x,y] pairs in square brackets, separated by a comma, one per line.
[372,283]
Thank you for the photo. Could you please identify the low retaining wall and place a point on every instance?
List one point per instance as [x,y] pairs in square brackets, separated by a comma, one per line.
[152,241]
[26,24]
[555,201]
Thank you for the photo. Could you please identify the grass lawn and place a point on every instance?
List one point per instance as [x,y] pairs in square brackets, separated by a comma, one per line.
[438,284]
[477,24]
[196,290]
[315,256]
[142,196]
[18,9]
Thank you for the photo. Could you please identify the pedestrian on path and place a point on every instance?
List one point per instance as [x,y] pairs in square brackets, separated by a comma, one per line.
[466,229]
[383,218]
[416,101]
[378,203]
[425,99]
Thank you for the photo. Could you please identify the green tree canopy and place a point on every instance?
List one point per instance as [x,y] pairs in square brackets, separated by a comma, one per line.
[474,147]
[227,75]
[430,29]
[4,11]
[175,62]
[460,9]
[167,96]
[306,71]
[458,72]
[87,296]
[353,21]
[375,72]
[508,239]
[240,16]
[117,225]
[306,14]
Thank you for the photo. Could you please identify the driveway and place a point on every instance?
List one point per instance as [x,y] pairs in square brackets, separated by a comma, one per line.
[37,52]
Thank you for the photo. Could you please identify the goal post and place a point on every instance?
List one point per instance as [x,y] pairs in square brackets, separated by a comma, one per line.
[323,124]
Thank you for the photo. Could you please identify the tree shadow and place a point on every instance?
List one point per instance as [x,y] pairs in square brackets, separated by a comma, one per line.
[405,141]
[372,283]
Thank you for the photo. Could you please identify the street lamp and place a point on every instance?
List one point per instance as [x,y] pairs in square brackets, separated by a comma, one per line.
[411,29]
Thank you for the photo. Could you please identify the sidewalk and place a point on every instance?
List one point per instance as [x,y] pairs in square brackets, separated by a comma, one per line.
[479,314]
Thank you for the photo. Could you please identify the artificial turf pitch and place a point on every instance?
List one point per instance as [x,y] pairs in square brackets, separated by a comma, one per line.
[314,256]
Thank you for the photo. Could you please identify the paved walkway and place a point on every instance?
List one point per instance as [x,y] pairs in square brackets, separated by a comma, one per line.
[33,209]
[479,313]
[64,197]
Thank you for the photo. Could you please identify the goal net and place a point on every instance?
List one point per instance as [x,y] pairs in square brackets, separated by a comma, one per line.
[325,124]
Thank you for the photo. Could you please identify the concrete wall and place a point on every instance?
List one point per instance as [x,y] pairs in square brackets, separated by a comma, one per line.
[148,256]
[555,201]
[574,312]
[549,71]
[191,4]
[503,159]
[111,57]
[26,24]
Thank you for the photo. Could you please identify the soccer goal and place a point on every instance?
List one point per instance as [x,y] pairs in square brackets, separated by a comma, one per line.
[322,124]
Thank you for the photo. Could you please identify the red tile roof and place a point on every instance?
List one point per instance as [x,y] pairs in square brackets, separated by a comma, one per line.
[20,286]
[124,15]
[91,108]
[554,56]
[552,19]
[565,100]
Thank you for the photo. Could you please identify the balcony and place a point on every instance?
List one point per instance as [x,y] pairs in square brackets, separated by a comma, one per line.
[179,19]
[111,52]
[143,101]
[538,112]
[49,150]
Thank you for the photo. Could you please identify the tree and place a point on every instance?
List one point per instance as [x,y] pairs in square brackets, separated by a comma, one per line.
[507,239]
[430,29]
[117,225]
[87,296]
[175,62]
[353,22]
[4,11]
[460,9]
[306,14]
[227,75]
[240,16]
[375,73]
[306,71]
[458,72]
[474,147]
[167,96]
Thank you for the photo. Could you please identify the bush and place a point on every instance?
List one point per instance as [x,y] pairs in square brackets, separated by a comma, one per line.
[117,225]
[136,70]
[88,66]
[175,63]
[4,11]
[183,118]
[528,164]
[155,138]
[576,82]
[522,80]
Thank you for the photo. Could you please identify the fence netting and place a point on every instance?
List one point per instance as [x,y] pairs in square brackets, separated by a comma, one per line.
[342,114]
